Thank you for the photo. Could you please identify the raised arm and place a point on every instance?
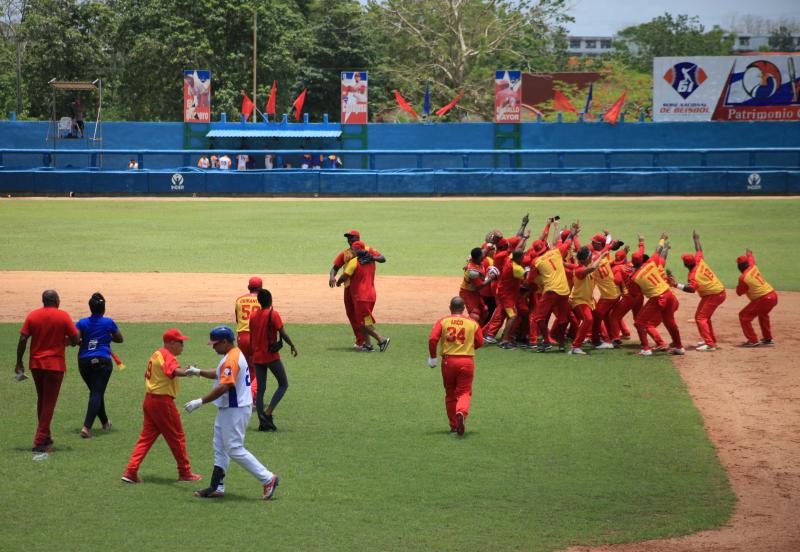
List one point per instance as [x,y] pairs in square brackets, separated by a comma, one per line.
[523,224]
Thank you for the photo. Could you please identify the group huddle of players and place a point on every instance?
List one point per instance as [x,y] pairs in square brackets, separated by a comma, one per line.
[586,290]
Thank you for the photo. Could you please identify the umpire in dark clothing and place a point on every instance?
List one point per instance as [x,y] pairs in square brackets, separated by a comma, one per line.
[94,360]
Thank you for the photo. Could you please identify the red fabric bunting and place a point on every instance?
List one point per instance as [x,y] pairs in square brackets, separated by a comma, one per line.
[298,104]
[562,103]
[247,107]
[612,115]
[449,106]
[404,104]
[271,101]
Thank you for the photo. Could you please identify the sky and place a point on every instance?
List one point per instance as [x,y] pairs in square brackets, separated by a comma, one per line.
[606,17]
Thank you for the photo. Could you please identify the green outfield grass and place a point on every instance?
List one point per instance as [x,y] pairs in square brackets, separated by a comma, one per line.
[559,450]
[417,237]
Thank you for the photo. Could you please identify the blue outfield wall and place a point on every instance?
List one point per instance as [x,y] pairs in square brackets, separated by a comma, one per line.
[402,182]
[662,161]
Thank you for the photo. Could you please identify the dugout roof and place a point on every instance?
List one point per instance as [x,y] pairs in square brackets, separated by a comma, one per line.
[267,133]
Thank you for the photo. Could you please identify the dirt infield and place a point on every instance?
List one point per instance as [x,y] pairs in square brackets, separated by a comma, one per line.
[749,398]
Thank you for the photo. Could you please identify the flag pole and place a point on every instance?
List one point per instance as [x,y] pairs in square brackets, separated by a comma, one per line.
[255,46]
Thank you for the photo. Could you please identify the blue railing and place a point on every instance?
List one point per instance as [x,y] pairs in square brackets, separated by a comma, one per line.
[599,158]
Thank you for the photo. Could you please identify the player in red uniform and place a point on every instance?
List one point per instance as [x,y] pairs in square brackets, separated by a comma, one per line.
[763,299]
[50,330]
[474,280]
[360,273]
[661,302]
[459,337]
[710,289]
[609,291]
[160,415]
[508,294]
[340,261]
[245,307]
[581,296]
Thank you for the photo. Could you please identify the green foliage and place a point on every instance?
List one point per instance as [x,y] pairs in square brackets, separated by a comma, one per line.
[781,40]
[50,235]
[559,451]
[668,35]
[457,46]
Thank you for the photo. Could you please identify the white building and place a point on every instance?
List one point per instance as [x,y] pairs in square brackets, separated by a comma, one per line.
[597,45]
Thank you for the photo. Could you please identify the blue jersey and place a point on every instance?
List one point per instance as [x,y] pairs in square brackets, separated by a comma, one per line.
[96,336]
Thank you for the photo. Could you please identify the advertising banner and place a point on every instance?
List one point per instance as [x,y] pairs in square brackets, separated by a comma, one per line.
[354,98]
[196,96]
[507,96]
[727,88]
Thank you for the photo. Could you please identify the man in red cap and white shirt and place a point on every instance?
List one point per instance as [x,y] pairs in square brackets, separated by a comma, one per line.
[762,300]
[50,330]
[244,308]
[360,273]
[160,415]
[710,289]
[349,306]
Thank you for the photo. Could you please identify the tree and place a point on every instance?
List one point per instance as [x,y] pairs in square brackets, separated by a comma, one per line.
[781,40]
[11,50]
[666,35]
[458,44]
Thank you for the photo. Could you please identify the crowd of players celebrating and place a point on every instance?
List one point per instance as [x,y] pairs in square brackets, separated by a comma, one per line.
[558,293]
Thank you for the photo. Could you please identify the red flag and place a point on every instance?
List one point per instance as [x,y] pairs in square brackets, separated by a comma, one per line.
[612,115]
[404,104]
[247,107]
[449,106]
[298,104]
[562,103]
[271,101]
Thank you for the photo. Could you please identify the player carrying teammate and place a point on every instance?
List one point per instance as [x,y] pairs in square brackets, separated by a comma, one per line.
[474,280]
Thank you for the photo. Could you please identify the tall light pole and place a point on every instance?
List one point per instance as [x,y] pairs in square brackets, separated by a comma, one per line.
[255,46]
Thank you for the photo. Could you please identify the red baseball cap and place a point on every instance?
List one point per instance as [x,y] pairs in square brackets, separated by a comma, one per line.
[502,243]
[565,234]
[358,245]
[599,238]
[688,258]
[621,254]
[173,334]
[637,258]
[354,233]
[255,283]
[538,246]
[741,259]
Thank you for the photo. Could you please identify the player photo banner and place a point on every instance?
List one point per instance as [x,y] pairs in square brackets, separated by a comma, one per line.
[727,88]
[196,96]
[507,96]
[354,98]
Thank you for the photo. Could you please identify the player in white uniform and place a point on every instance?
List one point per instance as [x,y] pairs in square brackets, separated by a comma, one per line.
[234,402]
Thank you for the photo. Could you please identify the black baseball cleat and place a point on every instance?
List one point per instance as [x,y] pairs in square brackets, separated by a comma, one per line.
[209,492]
[383,345]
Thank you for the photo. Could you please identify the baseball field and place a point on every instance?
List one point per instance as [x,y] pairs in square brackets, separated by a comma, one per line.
[691,453]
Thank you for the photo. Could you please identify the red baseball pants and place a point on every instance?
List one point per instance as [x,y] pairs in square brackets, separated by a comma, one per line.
[476,308]
[630,303]
[558,305]
[759,308]
[457,375]
[657,310]
[160,418]
[48,385]
[584,315]
[601,314]
[243,340]
[350,310]
[702,316]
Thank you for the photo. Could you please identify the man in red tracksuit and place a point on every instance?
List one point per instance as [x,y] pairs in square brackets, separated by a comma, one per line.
[50,330]
[459,336]
[160,415]
[762,300]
